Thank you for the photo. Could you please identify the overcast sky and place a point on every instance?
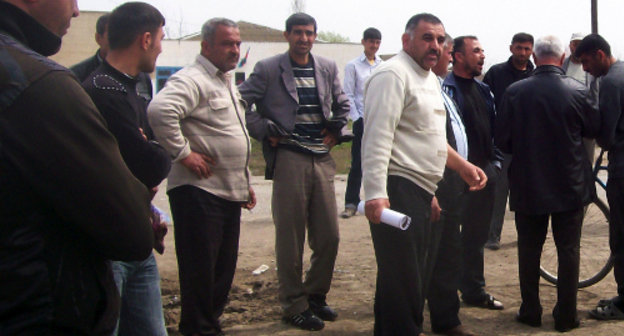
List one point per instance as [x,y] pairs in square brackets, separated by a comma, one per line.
[493,21]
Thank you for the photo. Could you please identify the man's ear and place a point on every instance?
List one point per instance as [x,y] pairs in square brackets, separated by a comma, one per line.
[145,40]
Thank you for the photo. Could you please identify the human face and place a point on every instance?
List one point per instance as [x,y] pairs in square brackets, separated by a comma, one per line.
[223,50]
[472,58]
[595,63]
[424,43]
[55,15]
[153,50]
[370,47]
[521,52]
[300,39]
[573,45]
[441,68]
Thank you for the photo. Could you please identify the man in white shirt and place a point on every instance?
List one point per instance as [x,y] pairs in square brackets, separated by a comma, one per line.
[357,72]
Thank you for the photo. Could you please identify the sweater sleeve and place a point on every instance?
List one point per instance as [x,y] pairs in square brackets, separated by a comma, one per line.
[174,102]
[383,106]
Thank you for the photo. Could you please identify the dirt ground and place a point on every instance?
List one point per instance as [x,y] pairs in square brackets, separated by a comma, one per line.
[253,308]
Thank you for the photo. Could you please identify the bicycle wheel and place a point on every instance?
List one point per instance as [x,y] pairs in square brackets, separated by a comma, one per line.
[596,261]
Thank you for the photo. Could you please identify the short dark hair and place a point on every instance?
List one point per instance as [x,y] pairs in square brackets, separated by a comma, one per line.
[522,38]
[414,20]
[102,23]
[371,33]
[591,44]
[459,44]
[299,19]
[130,20]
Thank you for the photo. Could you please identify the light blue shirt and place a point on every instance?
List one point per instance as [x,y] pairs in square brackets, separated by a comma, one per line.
[357,72]
[461,140]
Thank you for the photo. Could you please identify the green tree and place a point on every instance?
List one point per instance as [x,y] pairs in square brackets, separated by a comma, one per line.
[332,37]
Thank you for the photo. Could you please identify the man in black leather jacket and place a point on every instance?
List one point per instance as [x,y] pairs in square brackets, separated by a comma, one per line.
[542,123]
[61,218]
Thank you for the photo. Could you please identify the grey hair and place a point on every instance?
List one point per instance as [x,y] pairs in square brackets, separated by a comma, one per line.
[448,41]
[548,46]
[209,28]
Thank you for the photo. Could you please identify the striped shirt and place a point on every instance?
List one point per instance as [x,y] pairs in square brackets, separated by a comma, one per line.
[307,136]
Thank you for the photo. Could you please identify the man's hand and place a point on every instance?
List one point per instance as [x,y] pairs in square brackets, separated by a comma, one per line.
[330,140]
[251,203]
[199,164]
[274,140]
[473,176]
[435,210]
[373,209]
[143,133]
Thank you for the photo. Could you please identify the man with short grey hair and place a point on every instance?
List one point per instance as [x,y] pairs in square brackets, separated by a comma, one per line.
[199,118]
[541,123]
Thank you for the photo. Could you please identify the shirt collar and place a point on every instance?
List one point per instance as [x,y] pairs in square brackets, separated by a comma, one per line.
[211,69]
[364,59]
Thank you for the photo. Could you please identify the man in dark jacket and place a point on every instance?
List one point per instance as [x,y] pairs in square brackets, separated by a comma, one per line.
[595,54]
[499,77]
[476,106]
[542,124]
[134,35]
[61,217]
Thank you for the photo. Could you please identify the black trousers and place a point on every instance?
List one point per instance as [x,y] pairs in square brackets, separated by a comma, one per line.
[476,218]
[442,290]
[532,229]
[354,180]
[615,194]
[206,229]
[402,261]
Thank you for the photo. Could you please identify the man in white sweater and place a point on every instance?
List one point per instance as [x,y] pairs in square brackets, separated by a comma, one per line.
[404,152]
[199,118]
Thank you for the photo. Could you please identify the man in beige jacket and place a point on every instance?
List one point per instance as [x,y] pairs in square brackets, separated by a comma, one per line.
[199,118]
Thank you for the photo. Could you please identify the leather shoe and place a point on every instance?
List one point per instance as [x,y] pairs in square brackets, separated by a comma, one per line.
[563,327]
[320,308]
[488,302]
[532,322]
[305,320]
[458,330]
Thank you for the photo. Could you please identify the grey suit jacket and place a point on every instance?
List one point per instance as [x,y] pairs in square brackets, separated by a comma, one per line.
[271,88]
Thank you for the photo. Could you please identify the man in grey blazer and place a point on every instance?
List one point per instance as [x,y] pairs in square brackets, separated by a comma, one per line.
[300,108]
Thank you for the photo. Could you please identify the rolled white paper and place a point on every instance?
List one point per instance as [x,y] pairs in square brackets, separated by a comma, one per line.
[391,217]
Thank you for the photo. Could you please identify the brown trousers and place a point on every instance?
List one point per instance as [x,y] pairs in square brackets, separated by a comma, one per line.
[304,196]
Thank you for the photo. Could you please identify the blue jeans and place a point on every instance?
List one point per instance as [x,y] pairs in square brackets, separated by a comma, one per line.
[138,283]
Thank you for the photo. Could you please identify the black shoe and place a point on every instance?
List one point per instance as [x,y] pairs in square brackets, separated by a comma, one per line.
[320,308]
[487,301]
[530,321]
[305,320]
[563,327]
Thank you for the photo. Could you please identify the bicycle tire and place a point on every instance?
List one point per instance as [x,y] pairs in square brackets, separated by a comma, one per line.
[596,219]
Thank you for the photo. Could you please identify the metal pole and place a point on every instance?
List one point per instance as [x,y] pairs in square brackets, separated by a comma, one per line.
[594,16]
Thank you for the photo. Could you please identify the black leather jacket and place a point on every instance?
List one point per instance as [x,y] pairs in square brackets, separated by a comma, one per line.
[68,203]
[541,123]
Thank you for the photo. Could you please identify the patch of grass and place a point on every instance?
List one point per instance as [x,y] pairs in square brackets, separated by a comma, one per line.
[340,153]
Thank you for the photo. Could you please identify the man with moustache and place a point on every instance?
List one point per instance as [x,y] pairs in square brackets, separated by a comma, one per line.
[61,217]
[404,152]
[199,117]
[135,34]
[476,106]
[357,72]
[300,110]
[595,55]
[499,77]
[442,292]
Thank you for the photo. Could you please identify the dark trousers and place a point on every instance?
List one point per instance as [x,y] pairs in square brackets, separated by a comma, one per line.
[615,194]
[532,229]
[354,181]
[476,218]
[402,261]
[501,192]
[206,229]
[442,291]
